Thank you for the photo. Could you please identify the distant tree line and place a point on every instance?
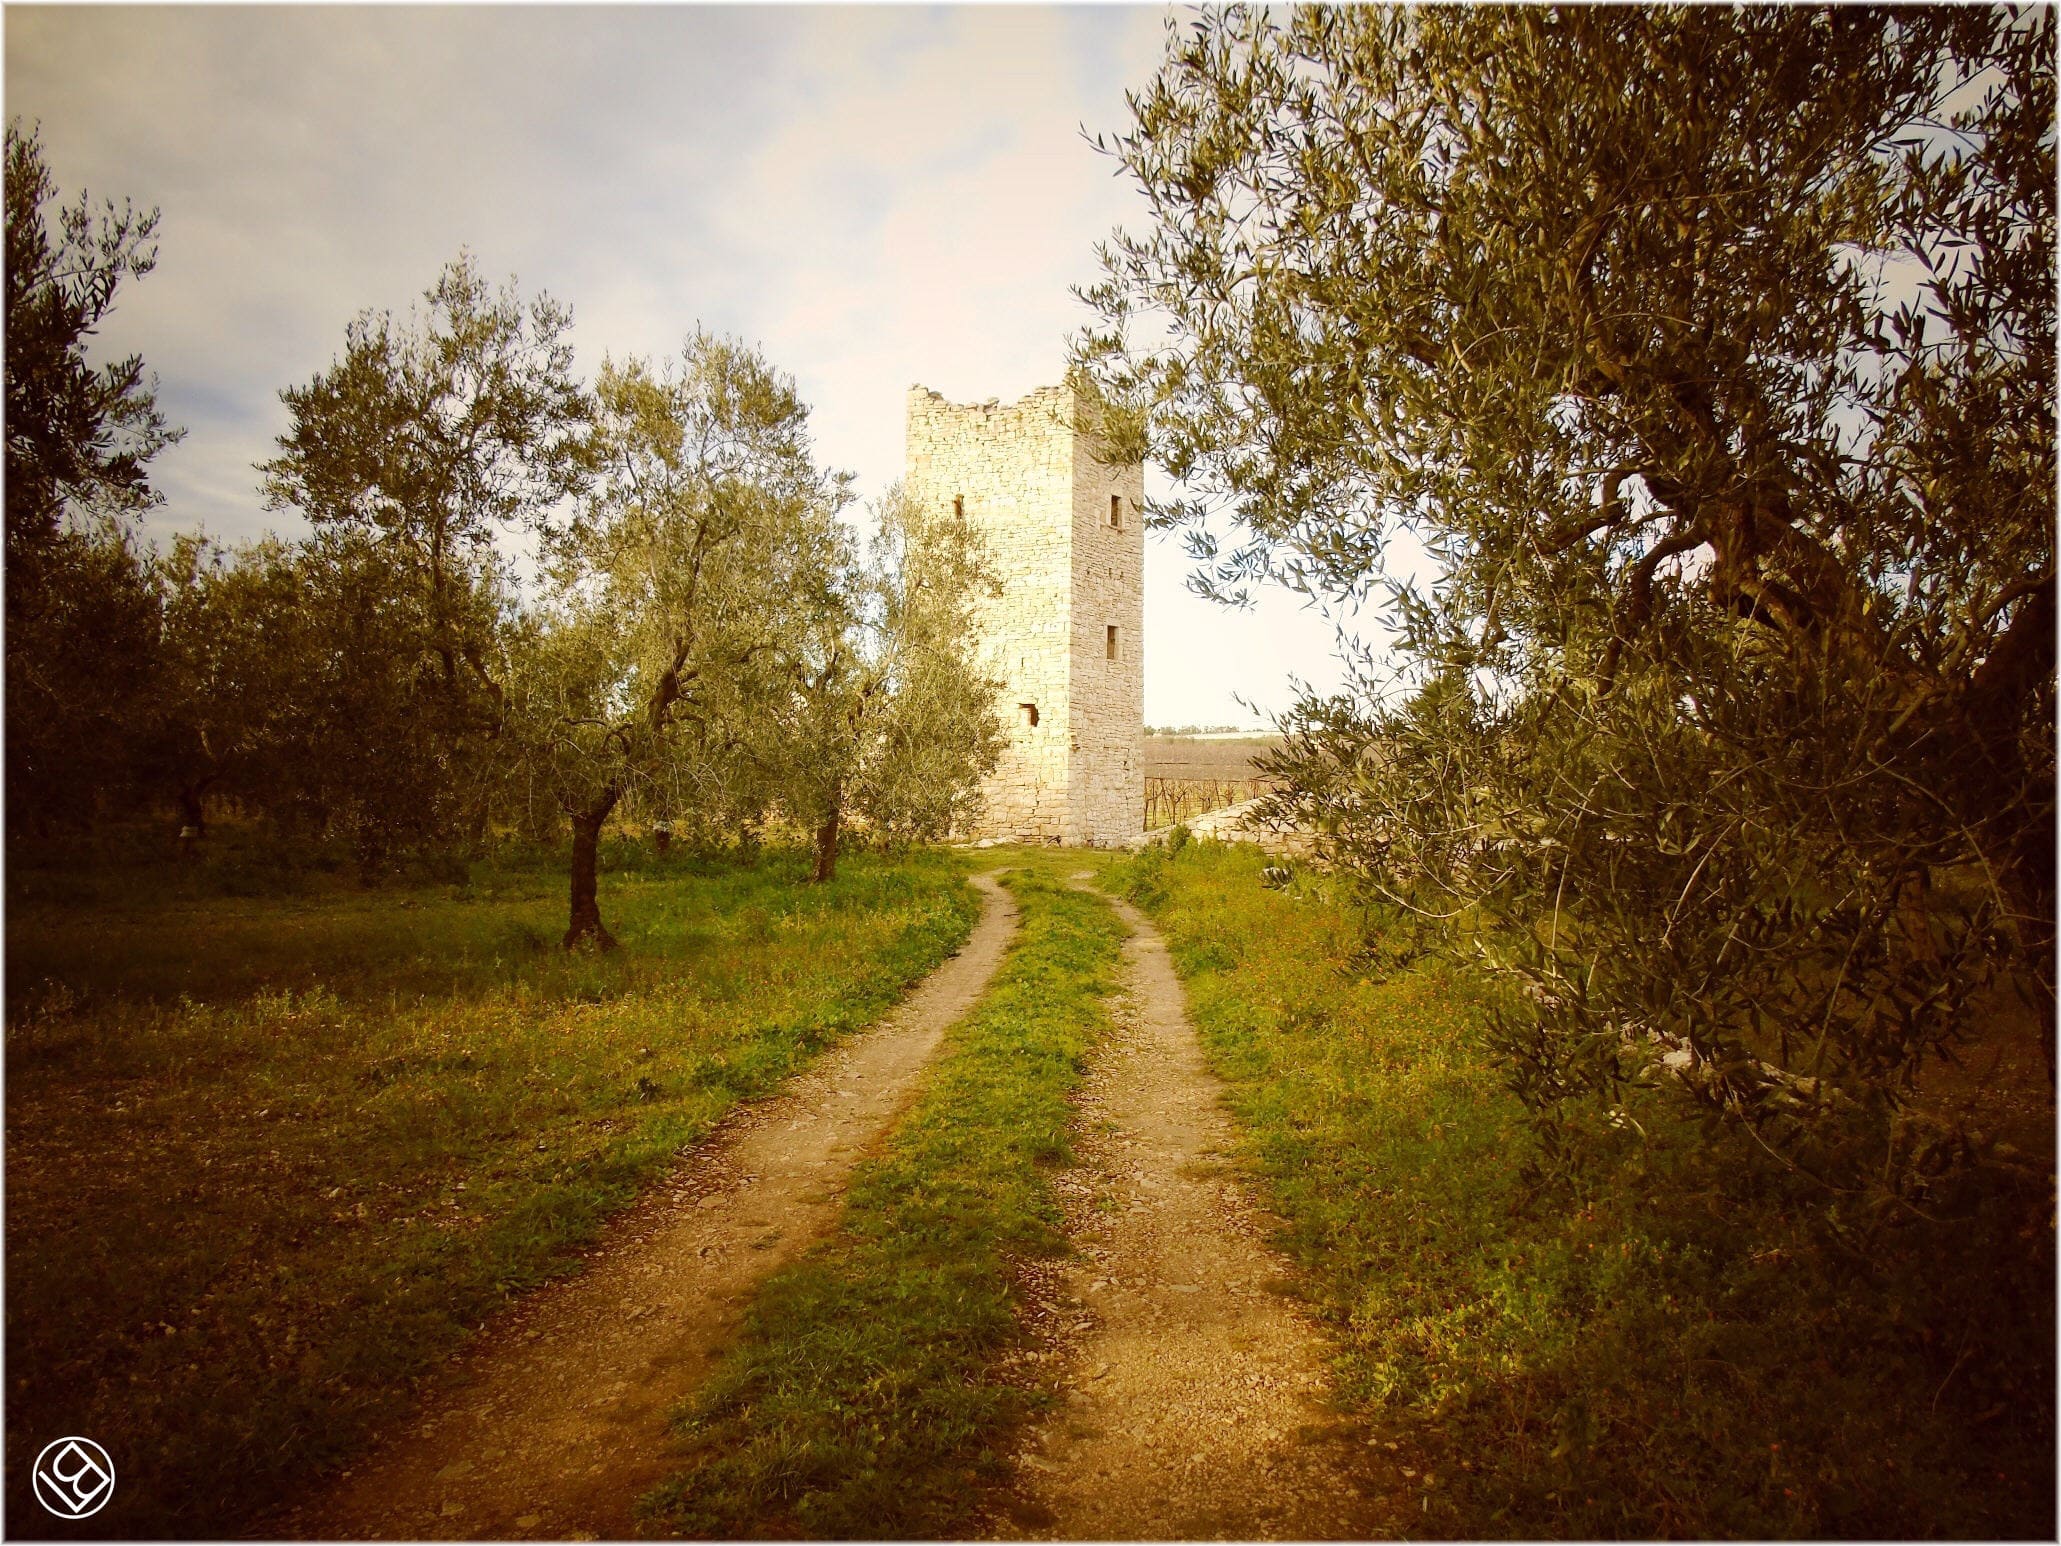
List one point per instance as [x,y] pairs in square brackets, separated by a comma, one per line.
[695,638]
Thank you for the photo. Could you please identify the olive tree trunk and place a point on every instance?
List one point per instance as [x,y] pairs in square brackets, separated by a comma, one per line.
[193,812]
[826,841]
[586,926]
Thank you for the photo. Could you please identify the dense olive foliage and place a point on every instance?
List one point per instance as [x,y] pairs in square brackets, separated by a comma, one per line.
[79,438]
[1708,356]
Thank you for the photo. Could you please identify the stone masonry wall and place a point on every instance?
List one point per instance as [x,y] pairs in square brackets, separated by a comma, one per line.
[1042,502]
[1106,791]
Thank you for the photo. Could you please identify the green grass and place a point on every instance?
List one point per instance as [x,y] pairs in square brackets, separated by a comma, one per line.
[1660,1345]
[269,1160]
[238,923]
[868,1396]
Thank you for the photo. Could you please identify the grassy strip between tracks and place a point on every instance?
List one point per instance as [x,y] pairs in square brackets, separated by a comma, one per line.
[865,1398]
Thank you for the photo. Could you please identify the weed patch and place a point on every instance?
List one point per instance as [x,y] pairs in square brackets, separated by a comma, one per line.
[864,1399]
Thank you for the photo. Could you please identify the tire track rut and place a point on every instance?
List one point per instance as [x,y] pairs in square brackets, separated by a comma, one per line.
[1198,1408]
[558,1420]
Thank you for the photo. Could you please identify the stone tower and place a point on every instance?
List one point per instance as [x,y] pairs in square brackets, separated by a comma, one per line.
[1066,537]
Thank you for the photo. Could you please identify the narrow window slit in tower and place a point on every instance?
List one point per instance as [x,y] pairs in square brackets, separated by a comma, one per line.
[1116,510]
[1029,714]
[1109,644]
[958,507]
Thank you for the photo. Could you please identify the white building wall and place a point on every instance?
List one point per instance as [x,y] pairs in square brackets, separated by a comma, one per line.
[1032,486]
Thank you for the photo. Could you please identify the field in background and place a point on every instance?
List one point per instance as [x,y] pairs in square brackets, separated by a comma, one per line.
[1657,1343]
[270,1157]
[1187,776]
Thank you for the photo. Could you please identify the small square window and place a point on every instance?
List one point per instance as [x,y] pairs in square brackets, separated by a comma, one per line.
[1028,714]
[1109,644]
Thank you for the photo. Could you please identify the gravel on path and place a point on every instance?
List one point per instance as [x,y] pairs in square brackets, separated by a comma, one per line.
[1197,1407]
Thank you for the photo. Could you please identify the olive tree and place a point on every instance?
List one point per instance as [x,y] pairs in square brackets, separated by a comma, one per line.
[230,670]
[80,608]
[292,677]
[428,442]
[701,549]
[877,705]
[1709,355]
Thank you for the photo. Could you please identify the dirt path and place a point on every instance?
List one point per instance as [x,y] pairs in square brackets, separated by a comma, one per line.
[1198,1402]
[559,1423]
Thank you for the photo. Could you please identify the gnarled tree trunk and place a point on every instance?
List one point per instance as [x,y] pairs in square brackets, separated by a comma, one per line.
[586,926]
[193,813]
[826,840]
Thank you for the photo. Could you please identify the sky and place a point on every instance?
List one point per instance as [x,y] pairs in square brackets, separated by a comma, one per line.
[874,196]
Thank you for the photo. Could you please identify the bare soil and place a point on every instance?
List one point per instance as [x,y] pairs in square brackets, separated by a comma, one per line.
[1198,1405]
[555,1422]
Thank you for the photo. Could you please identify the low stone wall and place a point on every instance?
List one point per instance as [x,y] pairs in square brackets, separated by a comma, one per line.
[1237,824]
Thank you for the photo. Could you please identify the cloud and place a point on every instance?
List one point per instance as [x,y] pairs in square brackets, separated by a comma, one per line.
[876,195]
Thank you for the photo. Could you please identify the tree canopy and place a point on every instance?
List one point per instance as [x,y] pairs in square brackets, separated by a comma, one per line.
[699,552]
[876,704]
[429,440]
[80,437]
[1709,353]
